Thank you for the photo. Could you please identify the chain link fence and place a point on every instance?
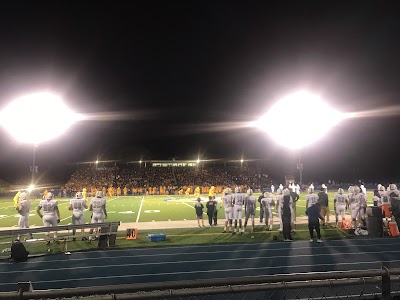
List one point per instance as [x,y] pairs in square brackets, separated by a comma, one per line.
[381,283]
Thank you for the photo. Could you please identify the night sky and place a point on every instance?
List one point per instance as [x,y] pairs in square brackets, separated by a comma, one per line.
[173,78]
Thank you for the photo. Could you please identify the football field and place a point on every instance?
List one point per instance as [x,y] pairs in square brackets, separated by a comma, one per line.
[136,209]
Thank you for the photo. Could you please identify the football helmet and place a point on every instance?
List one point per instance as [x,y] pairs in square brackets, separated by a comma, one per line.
[237,189]
[249,192]
[78,195]
[382,188]
[49,196]
[340,191]
[286,192]
[23,196]
[392,187]
[357,189]
[99,194]
[279,191]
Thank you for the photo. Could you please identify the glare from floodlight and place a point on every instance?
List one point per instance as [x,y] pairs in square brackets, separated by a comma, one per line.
[299,120]
[140,161]
[241,160]
[30,188]
[97,161]
[198,160]
[37,118]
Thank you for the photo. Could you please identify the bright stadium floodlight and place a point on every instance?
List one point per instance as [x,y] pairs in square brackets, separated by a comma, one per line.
[37,118]
[299,120]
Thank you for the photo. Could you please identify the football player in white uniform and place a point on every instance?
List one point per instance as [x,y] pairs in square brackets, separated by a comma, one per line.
[250,204]
[51,214]
[98,209]
[78,205]
[279,205]
[268,202]
[361,198]
[238,201]
[272,189]
[311,198]
[297,189]
[311,188]
[353,205]
[340,203]
[228,207]
[23,208]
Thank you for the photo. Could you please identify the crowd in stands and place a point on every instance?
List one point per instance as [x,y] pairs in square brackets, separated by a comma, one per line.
[164,180]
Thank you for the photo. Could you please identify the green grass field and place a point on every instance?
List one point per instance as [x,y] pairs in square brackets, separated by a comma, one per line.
[133,209]
[148,209]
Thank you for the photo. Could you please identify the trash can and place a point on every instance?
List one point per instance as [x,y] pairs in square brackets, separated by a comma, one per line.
[374,221]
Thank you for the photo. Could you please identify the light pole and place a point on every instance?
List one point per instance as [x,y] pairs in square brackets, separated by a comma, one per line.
[300,168]
[34,168]
[17,119]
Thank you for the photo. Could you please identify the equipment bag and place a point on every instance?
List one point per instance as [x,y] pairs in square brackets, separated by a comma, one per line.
[18,251]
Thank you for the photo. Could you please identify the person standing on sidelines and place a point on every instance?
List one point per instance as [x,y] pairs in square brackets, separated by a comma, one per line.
[268,202]
[279,205]
[353,206]
[295,198]
[23,208]
[78,205]
[272,189]
[228,207]
[238,201]
[297,189]
[51,214]
[199,208]
[311,198]
[324,204]
[250,203]
[287,211]
[313,213]
[340,203]
[377,198]
[99,211]
[361,198]
[215,215]
[261,208]
[210,210]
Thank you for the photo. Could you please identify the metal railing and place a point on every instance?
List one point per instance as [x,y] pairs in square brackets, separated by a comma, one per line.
[381,283]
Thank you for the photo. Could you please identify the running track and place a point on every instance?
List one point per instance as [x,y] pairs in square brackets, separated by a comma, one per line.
[106,267]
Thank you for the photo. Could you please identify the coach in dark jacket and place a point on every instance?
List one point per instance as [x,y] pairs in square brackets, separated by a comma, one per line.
[314,215]
[261,207]
[287,217]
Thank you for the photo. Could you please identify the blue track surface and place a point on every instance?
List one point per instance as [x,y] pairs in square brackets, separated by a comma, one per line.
[98,268]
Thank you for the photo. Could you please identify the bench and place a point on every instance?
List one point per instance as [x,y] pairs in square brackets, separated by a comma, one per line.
[108,229]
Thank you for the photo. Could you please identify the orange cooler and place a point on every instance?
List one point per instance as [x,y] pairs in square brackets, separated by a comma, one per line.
[393,229]
[386,213]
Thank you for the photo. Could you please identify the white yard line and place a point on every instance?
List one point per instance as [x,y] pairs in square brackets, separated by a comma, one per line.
[140,209]
[204,213]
